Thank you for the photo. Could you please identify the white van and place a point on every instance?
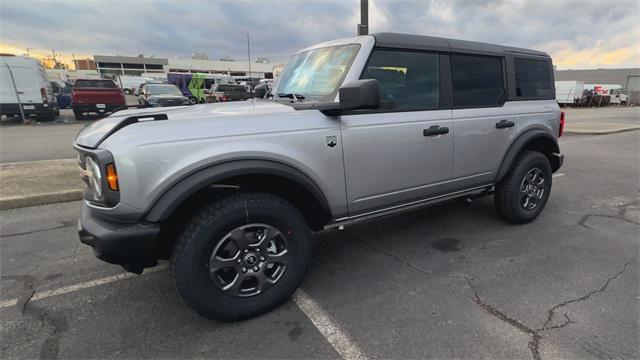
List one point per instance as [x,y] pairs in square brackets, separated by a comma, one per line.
[569,92]
[32,88]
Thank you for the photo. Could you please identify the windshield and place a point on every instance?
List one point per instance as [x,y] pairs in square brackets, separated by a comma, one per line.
[316,74]
[163,90]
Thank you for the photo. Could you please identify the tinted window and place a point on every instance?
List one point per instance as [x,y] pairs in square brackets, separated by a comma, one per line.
[477,80]
[408,80]
[533,78]
[82,83]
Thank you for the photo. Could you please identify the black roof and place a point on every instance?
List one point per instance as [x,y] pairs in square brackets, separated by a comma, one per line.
[421,42]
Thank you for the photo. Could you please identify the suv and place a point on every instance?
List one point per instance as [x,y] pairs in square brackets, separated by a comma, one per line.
[354,129]
[229,92]
[158,95]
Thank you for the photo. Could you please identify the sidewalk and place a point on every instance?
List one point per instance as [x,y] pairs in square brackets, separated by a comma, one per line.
[39,182]
[601,121]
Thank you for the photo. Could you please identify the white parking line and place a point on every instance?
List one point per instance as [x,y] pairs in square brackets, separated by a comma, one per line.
[336,336]
[80,286]
[331,331]
[557,175]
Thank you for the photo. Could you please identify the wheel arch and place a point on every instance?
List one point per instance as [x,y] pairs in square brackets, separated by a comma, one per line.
[265,175]
[534,139]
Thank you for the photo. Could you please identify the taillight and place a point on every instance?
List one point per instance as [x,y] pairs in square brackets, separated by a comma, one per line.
[561,124]
[43,93]
[224,98]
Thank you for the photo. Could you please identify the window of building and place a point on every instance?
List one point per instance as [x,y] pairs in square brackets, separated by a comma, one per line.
[477,81]
[408,80]
[533,78]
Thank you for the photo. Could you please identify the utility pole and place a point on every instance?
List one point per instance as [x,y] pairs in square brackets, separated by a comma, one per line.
[249,55]
[29,48]
[75,64]
[363,27]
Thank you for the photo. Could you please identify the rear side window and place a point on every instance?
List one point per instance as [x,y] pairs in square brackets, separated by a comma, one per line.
[533,78]
[82,83]
[408,80]
[477,81]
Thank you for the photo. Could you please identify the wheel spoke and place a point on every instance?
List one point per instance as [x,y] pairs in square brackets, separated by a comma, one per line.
[264,282]
[217,263]
[267,235]
[280,258]
[235,285]
[239,238]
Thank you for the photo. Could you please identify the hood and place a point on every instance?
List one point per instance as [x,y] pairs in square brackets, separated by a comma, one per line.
[93,134]
[167,96]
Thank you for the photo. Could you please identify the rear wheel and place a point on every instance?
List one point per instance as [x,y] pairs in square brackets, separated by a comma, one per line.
[241,256]
[524,191]
[193,100]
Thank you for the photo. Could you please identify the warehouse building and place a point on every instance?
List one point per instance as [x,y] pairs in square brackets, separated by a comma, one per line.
[629,78]
[260,69]
[129,65]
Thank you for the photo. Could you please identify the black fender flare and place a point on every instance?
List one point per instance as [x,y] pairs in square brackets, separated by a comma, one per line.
[519,143]
[178,192]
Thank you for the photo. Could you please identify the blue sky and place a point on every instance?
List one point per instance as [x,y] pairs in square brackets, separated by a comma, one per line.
[578,34]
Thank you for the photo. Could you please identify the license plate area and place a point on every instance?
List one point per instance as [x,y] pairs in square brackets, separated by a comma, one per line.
[101,106]
[29,107]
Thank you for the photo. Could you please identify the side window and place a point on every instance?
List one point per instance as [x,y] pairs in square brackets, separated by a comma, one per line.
[477,81]
[408,80]
[533,78]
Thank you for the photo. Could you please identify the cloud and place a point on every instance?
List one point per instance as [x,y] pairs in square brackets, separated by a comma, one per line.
[575,32]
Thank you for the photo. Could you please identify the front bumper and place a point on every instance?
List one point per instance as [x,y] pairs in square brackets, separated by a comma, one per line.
[126,244]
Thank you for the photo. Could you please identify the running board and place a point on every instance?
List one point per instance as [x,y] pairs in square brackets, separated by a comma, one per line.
[476,192]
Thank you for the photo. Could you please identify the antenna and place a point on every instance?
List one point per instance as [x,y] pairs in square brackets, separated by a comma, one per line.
[249,55]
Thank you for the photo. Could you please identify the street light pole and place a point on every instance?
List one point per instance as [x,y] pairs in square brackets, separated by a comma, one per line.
[363,27]
[249,55]
[29,48]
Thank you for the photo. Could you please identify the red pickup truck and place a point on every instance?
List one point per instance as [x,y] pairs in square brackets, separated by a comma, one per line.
[97,96]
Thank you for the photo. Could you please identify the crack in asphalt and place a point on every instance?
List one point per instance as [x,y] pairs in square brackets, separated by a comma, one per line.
[63,224]
[387,253]
[50,347]
[536,337]
[551,311]
[620,214]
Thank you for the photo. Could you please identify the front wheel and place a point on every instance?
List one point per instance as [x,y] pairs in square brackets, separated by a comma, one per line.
[524,191]
[241,256]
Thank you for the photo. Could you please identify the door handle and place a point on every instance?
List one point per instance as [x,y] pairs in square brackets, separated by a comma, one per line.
[435,131]
[503,124]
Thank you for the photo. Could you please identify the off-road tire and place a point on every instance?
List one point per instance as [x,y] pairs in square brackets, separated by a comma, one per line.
[507,196]
[191,254]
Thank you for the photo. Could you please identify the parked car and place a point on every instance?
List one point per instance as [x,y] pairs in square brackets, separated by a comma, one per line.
[228,92]
[62,92]
[98,96]
[130,83]
[157,95]
[33,89]
[357,129]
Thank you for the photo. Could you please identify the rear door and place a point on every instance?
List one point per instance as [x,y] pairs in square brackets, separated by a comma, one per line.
[27,83]
[403,151]
[484,124]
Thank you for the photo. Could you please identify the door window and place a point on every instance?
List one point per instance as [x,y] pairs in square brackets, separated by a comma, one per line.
[533,78]
[477,81]
[408,80]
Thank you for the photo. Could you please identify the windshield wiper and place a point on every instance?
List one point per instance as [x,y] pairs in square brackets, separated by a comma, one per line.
[293,96]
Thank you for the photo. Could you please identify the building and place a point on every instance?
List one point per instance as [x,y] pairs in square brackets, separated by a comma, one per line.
[238,69]
[84,64]
[129,65]
[629,78]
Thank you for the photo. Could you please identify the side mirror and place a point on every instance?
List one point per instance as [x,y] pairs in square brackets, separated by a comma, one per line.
[259,92]
[360,94]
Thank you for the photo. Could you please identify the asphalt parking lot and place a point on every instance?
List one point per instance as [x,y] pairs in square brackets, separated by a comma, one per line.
[452,281]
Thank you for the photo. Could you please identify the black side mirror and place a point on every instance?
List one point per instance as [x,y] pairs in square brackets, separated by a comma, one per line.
[360,94]
[259,92]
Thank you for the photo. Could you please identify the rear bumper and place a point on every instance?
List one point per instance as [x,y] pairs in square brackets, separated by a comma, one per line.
[557,161]
[29,109]
[93,108]
[126,244]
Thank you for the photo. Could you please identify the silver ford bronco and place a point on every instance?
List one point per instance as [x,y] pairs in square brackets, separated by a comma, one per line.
[353,129]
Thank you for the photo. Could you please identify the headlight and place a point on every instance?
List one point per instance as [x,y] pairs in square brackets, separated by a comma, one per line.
[152,100]
[185,101]
[94,177]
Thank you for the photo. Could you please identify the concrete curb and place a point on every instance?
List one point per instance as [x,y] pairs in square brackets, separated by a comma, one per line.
[597,132]
[40,199]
